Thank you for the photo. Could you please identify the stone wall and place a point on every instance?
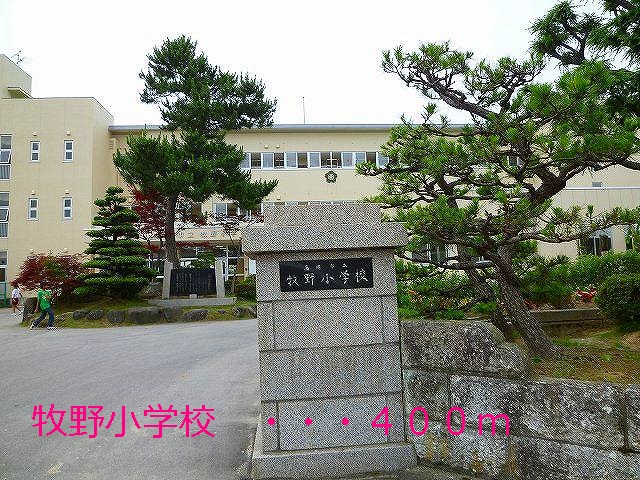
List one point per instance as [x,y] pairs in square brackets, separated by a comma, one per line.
[558,429]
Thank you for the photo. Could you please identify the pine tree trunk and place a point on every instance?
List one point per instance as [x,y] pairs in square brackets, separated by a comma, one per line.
[497,317]
[484,290]
[512,303]
[170,230]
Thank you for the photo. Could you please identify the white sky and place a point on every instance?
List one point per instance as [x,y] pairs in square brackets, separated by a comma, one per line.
[327,51]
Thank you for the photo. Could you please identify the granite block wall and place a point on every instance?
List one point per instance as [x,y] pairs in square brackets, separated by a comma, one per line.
[557,429]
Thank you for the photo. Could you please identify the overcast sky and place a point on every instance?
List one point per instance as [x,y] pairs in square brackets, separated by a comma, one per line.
[327,51]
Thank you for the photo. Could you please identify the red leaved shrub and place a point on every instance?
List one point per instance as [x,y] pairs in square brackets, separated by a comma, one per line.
[57,272]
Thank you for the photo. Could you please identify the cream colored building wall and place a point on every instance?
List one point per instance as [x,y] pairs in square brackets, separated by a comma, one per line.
[621,187]
[308,184]
[605,198]
[51,121]
[303,184]
[11,75]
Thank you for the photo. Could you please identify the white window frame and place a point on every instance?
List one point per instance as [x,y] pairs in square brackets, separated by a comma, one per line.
[287,161]
[8,162]
[273,159]
[36,151]
[31,208]
[64,158]
[354,159]
[332,158]
[343,154]
[69,208]
[309,159]
[378,156]
[215,208]
[6,166]
[5,213]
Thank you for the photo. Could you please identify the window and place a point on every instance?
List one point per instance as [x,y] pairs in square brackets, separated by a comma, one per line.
[67,208]
[68,151]
[330,159]
[256,160]
[596,184]
[513,161]
[4,214]
[434,252]
[267,160]
[313,159]
[3,266]
[5,157]
[35,151]
[371,157]
[291,159]
[598,243]
[5,148]
[220,208]
[381,160]
[246,162]
[347,159]
[351,159]
[302,159]
[278,160]
[32,213]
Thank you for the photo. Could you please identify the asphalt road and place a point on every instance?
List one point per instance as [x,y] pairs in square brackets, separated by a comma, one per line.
[211,363]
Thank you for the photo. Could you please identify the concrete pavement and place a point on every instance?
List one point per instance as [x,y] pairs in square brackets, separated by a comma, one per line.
[210,363]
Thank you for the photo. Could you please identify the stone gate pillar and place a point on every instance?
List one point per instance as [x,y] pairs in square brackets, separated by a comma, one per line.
[328,341]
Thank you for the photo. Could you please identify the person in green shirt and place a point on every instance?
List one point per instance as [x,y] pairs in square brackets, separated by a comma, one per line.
[44,305]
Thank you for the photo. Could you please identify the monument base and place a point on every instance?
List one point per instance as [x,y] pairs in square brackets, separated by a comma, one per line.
[337,462]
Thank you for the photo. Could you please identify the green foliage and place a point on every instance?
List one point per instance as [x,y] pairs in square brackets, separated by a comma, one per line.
[542,282]
[574,35]
[204,260]
[199,102]
[484,308]
[119,258]
[246,289]
[484,188]
[619,298]
[591,270]
[426,291]
[192,94]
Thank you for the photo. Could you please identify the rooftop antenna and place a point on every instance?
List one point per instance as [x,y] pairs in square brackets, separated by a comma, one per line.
[17,57]
[304,113]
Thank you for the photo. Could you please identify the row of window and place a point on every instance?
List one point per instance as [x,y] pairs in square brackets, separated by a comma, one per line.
[32,211]
[35,150]
[67,208]
[291,160]
[231,209]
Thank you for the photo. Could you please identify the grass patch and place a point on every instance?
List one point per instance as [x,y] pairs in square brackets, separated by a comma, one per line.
[99,304]
[602,355]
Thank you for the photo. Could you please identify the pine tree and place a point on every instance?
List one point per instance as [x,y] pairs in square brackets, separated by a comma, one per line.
[485,188]
[118,256]
[199,103]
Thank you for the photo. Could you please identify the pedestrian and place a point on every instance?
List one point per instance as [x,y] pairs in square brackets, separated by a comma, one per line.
[44,304]
[16,295]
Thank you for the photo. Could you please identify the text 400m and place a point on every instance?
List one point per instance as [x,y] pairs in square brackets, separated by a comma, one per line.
[382,421]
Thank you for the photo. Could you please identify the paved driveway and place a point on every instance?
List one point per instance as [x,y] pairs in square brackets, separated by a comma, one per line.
[212,363]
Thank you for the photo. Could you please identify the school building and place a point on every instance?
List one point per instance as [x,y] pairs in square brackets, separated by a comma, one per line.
[56,159]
